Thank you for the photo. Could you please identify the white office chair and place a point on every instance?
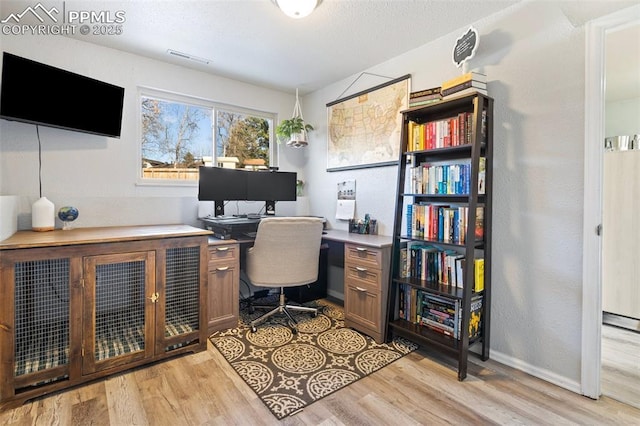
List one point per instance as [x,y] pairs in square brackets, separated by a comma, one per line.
[285,254]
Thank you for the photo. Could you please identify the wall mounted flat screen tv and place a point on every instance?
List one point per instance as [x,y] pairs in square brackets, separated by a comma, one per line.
[36,93]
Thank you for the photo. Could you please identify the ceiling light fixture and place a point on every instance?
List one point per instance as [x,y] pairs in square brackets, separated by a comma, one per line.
[297,8]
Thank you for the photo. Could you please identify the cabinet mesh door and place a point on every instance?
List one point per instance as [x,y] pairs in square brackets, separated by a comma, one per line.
[120,309]
[182,307]
[41,315]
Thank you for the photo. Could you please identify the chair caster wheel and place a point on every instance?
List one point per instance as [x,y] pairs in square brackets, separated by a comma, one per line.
[253,329]
[314,314]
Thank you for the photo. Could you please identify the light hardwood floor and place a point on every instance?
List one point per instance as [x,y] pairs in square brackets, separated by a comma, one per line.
[620,374]
[421,388]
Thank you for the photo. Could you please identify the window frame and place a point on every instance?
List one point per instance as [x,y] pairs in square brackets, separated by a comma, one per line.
[169,96]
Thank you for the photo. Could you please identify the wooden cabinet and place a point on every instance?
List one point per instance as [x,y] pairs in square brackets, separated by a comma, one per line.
[81,304]
[224,282]
[442,229]
[366,273]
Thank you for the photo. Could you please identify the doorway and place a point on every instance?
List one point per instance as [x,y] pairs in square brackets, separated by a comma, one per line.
[597,32]
[620,361]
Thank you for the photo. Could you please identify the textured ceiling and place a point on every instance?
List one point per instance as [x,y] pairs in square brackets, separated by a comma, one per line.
[253,41]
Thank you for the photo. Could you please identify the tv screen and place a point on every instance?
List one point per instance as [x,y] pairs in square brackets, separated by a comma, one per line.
[220,184]
[272,186]
[36,93]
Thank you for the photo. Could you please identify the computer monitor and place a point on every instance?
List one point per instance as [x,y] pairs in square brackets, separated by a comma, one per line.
[219,184]
[271,186]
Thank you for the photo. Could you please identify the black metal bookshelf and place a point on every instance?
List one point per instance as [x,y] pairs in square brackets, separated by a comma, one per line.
[472,143]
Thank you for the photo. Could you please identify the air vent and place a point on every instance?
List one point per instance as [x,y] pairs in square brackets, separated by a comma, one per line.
[187,56]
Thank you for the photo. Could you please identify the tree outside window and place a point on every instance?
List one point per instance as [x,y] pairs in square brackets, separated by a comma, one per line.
[177,137]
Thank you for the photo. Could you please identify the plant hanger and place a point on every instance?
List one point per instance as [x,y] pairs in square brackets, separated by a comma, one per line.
[294,130]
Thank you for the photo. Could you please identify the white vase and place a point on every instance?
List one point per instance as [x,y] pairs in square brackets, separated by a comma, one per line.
[42,215]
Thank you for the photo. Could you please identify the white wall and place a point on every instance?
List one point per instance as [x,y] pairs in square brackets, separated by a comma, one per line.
[534,57]
[622,117]
[98,174]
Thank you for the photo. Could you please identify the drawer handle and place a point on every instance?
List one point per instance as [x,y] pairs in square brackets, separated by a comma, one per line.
[360,289]
[222,248]
[361,248]
[361,269]
[222,268]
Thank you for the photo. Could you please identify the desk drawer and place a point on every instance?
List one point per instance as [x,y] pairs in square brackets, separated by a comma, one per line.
[365,307]
[357,273]
[223,252]
[223,286]
[363,255]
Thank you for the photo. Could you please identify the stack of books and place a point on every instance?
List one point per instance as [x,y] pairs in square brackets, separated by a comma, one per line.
[424,97]
[470,82]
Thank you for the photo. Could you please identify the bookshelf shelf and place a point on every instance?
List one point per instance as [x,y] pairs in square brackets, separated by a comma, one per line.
[410,330]
[440,286]
[432,286]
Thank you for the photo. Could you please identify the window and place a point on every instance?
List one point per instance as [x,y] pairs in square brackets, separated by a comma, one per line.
[180,133]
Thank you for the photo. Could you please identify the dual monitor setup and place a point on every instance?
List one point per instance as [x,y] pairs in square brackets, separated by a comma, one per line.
[221,185]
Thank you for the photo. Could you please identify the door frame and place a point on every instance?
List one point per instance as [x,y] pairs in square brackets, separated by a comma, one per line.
[596,32]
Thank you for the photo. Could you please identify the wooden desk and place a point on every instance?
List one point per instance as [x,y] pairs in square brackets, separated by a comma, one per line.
[364,258]
[376,241]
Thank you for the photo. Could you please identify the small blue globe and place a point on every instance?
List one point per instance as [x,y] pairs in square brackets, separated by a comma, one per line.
[68,214]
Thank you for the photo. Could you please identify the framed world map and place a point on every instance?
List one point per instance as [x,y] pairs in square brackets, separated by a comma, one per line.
[364,129]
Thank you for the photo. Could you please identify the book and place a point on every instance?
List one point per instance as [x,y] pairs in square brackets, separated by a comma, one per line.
[478,275]
[403,262]
[475,320]
[425,98]
[413,104]
[479,229]
[425,92]
[471,75]
[467,91]
[401,302]
[482,174]
[460,264]
[464,85]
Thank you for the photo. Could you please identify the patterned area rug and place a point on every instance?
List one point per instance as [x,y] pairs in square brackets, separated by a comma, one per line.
[290,371]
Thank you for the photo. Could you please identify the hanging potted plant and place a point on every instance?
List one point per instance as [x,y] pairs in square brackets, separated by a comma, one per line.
[294,130]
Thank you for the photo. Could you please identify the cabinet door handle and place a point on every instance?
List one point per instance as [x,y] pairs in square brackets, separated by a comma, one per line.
[361,269]
[222,248]
[222,268]
[361,248]
[360,289]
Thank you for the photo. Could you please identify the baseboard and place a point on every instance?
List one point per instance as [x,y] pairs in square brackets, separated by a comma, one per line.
[540,373]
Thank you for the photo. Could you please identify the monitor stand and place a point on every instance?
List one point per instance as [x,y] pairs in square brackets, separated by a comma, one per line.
[270,208]
[219,208]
